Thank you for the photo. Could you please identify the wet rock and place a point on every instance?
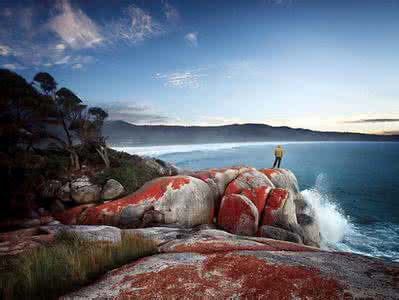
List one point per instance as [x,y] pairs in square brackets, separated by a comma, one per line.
[112,189]
[310,230]
[300,204]
[279,234]
[83,191]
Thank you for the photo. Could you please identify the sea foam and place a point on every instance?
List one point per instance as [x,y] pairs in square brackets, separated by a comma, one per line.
[334,225]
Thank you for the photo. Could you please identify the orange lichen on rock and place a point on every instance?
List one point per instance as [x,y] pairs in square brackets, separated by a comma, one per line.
[274,203]
[213,246]
[224,276]
[238,215]
[269,172]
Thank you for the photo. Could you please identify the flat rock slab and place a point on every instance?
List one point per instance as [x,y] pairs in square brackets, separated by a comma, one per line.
[92,233]
[248,275]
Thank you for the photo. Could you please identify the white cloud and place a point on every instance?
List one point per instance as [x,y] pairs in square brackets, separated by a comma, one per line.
[171,13]
[190,79]
[77,66]
[192,39]
[74,27]
[135,26]
[5,50]
[60,47]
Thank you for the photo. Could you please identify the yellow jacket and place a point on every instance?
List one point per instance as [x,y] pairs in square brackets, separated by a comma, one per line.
[279,152]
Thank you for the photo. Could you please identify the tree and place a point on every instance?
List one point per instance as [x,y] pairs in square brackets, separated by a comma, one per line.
[90,133]
[22,111]
[67,109]
[46,82]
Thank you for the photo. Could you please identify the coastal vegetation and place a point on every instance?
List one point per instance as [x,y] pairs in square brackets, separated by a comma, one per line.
[71,262]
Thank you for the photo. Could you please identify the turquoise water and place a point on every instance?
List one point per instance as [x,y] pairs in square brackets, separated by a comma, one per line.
[354,187]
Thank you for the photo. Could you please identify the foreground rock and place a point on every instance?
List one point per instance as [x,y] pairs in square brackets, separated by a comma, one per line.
[112,189]
[83,191]
[214,264]
[238,199]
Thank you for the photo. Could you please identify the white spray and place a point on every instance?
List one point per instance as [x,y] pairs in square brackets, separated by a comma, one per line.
[333,224]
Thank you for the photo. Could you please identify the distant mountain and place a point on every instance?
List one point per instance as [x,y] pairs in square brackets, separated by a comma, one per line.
[126,134]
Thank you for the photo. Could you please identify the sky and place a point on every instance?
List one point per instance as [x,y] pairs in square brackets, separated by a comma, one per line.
[322,65]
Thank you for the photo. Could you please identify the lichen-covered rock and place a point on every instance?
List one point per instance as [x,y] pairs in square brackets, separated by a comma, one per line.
[91,233]
[246,274]
[24,240]
[180,200]
[83,191]
[112,189]
[279,234]
[254,185]
[219,179]
[238,215]
[282,178]
[273,213]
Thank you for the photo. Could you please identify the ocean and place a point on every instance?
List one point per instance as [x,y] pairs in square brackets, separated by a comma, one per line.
[353,186]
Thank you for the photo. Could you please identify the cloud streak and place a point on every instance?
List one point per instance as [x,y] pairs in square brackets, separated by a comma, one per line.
[185,79]
[373,121]
[136,114]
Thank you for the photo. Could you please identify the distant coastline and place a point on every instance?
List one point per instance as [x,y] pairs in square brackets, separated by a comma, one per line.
[121,133]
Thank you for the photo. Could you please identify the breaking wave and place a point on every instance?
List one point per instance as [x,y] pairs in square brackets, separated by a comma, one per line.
[334,225]
[340,234]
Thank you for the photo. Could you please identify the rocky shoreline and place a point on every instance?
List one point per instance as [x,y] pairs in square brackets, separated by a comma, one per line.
[220,233]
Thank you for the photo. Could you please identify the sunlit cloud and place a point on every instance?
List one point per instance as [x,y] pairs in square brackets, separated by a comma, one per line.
[192,39]
[186,79]
[74,27]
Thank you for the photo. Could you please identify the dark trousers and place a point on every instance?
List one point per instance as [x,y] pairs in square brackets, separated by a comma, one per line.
[277,162]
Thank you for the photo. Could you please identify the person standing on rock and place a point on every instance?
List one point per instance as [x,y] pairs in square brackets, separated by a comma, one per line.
[278,153]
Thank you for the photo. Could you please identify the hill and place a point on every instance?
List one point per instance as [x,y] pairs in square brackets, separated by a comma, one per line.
[126,134]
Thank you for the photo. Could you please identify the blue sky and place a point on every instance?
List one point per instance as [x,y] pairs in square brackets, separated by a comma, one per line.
[324,65]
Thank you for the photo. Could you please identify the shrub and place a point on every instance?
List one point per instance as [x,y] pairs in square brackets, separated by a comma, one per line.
[131,176]
[49,272]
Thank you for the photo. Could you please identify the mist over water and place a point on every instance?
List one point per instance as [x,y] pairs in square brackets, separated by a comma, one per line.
[353,186]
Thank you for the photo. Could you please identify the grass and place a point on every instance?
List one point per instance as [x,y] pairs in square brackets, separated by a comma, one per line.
[71,262]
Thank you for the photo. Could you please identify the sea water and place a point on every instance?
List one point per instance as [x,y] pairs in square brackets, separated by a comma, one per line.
[353,186]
